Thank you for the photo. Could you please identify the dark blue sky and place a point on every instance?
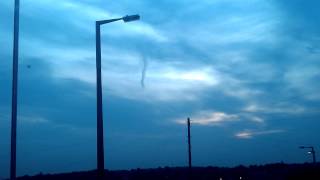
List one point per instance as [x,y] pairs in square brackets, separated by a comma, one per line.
[246,73]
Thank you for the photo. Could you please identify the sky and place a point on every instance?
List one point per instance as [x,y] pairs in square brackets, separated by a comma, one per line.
[246,72]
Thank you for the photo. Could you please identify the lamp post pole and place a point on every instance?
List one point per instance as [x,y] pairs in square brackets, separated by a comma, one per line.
[100,146]
[14,91]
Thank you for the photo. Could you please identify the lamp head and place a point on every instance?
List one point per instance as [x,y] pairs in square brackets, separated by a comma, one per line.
[131,18]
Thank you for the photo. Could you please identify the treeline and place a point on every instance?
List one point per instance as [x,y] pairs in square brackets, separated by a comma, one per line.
[279,171]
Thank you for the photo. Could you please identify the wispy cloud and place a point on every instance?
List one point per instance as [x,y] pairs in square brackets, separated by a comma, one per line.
[247,134]
[80,17]
[36,121]
[33,120]
[166,81]
[257,119]
[302,79]
[243,26]
[207,118]
[138,28]
[280,108]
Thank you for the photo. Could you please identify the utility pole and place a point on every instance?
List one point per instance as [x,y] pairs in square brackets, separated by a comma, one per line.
[13,155]
[189,146]
[312,152]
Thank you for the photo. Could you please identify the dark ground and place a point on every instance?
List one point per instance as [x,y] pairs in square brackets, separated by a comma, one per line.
[278,171]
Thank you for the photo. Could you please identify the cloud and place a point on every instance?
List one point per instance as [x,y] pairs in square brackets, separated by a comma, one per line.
[138,28]
[257,119]
[33,120]
[217,118]
[208,118]
[36,120]
[252,29]
[302,79]
[166,81]
[280,108]
[247,134]
[220,28]
[74,21]
[252,117]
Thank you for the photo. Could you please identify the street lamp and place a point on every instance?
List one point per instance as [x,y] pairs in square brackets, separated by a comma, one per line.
[13,151]
[100,147]
[312,152]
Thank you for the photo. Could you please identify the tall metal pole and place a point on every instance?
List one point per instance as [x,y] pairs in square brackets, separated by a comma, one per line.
[189,145]
[100,146]
[14,91]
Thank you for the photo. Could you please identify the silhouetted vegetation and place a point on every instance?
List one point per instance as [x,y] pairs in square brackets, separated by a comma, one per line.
[278,171]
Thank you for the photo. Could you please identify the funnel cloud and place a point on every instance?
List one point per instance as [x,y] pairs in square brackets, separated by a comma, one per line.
[144,69]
